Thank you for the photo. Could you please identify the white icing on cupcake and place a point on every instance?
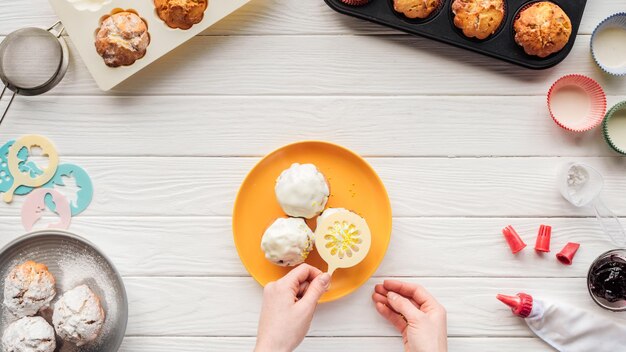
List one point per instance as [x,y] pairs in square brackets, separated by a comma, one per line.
[29,334]
[287,242]
[302,191]
[78,316]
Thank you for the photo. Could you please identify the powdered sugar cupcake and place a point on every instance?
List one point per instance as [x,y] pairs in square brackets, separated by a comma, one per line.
[78,316]
[29,334]
[28,288]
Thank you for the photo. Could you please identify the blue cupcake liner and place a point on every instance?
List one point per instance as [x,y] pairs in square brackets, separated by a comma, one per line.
[617,20]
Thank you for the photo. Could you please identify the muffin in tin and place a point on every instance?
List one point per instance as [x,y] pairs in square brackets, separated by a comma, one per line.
[182,14]
[417,9]
[478,18]
[122,39]
[542,29]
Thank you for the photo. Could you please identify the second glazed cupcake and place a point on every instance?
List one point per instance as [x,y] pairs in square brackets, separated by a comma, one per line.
[181,13]
[416,8]
[542,29]
[478,18]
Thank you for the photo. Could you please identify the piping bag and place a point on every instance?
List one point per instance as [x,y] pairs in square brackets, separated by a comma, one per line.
[567,328]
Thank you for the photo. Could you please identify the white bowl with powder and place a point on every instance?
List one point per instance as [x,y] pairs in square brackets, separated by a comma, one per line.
[73,261]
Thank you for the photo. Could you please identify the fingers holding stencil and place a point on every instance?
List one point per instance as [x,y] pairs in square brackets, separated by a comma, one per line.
[35,205]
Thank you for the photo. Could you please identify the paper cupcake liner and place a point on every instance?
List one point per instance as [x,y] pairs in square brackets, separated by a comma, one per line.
[597,99]
[605,127]
[617,20]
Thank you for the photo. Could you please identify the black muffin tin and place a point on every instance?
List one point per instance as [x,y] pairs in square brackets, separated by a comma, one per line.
[440,26]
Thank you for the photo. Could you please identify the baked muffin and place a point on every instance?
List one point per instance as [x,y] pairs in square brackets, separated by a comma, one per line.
[478,18]
[78,316]
[542,29]
[416,8]
[287,242]
[122,39]
[29,334]
[302,191]
[181,13]
[28,288]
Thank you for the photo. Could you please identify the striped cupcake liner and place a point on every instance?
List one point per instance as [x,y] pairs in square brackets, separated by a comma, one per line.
[597,100]
[617,20]
[605,128]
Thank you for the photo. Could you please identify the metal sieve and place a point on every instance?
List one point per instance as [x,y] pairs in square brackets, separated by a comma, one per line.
[32,61]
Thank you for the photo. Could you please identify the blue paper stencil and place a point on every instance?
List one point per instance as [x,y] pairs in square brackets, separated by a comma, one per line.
[83,182]
[6,179]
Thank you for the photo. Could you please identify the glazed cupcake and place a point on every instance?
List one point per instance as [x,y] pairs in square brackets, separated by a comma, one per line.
[287,242]
[302,191]
[182,14]
[478,18]
[78,316]
[29,334]
[28,288]
[542,29]
[122,39]
[413,9]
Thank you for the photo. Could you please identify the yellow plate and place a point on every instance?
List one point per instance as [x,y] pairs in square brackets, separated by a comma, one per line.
[354,185]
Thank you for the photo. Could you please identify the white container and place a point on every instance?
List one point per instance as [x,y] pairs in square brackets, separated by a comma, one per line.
[81,19]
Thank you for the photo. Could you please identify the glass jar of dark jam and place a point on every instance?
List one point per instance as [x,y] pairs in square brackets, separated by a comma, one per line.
[607,280]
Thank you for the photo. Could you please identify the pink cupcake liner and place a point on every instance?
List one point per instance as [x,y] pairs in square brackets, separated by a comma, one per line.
[597,99]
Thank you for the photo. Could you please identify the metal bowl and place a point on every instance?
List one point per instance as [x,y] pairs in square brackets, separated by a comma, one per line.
[618,306]
[73,261]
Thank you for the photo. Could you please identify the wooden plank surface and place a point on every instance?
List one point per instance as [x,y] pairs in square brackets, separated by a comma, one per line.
[401,126]
[462,142]
[424,247]
[373,344]
[418,187]
[324,65]
[269,17]
[230,306]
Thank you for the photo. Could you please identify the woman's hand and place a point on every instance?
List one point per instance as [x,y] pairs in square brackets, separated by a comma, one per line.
[288,307]
[415,313]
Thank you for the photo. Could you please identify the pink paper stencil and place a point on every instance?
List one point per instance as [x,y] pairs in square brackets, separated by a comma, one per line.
[35,205]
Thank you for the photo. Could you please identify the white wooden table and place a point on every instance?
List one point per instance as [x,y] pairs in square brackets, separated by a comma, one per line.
[463,143]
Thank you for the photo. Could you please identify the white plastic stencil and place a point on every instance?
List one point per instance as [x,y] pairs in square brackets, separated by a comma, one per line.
[81,26]
[342,239]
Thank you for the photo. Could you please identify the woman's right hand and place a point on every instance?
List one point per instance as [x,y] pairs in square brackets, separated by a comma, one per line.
[415,313]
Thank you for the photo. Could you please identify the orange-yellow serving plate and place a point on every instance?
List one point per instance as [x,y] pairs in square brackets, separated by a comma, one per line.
[354,185]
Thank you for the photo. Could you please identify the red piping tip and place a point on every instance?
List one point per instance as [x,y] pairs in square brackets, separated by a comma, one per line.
[543,239]
[512,238]
[511,301]
[566,256]
[521,304]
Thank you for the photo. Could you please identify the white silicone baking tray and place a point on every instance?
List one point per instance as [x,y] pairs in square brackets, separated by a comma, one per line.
[81,19]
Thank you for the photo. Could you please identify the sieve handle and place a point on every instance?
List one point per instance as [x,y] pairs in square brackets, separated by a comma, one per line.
[57,29]
[10,102]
